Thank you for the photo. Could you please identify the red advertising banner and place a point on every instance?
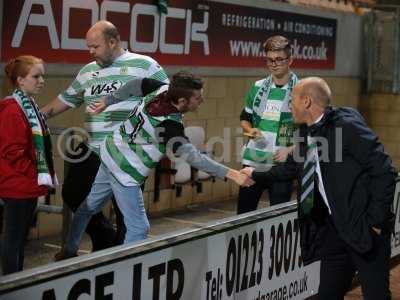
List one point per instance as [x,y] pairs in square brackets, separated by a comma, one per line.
[194,33]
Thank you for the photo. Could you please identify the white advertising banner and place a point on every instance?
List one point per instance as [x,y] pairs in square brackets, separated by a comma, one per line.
[257,261]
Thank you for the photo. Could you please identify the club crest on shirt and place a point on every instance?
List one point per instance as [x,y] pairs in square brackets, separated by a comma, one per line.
[123,71]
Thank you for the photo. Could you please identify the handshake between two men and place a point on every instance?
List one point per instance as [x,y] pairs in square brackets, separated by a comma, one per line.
[242,177]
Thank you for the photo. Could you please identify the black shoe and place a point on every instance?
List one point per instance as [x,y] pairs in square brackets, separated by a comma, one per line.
[64,255]
[104,239]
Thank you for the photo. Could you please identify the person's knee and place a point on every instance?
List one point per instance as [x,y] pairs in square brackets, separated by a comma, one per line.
[86,209]
[71,197]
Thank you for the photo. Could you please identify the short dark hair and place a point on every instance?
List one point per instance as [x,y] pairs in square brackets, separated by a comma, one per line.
[182,86]
[278,43]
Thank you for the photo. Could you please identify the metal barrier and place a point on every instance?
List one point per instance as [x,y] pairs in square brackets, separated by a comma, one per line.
[251,256]
[255,253]
[64,210]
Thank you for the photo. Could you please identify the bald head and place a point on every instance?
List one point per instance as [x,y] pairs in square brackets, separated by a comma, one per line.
[104,43]
[310,97]
[106,29]
[317,89]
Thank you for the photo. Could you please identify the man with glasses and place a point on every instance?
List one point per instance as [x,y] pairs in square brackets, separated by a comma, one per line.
[267,119]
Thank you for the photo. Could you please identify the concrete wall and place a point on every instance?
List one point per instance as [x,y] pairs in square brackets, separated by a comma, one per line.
[224,92]
[383,115]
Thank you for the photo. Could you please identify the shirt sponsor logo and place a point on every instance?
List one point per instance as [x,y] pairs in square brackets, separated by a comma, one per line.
[272,110]
[105,88]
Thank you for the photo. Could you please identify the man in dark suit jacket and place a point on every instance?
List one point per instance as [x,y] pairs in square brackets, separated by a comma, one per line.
[346,191]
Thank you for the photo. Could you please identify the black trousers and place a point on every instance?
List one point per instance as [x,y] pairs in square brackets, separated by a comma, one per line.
[340,262]
[77,185]
[18,215]
[279,192]
[1,218]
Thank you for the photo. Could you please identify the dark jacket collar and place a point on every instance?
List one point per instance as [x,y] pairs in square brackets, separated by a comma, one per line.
[315,129]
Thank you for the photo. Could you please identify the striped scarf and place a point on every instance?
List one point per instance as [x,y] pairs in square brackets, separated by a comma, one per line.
[274,120]
[263,93]
[41,139]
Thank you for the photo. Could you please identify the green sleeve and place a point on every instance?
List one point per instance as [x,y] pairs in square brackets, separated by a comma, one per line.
[249,99]
[73,95]
[157,72]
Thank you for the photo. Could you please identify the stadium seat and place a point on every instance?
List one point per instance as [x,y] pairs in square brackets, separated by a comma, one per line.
[196,136]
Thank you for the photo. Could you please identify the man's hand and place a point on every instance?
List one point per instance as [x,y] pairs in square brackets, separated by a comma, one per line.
[282,154]
[378,231]
[248,171]
[239,178]
[53,108]
[97,107]
[253,133]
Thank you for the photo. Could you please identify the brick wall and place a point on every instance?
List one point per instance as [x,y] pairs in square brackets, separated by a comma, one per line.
[383,115]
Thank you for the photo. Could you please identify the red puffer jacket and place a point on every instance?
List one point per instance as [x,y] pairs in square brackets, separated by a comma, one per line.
[18,173]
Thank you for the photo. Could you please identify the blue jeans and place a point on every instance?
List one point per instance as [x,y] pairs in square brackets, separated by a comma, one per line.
[129,200]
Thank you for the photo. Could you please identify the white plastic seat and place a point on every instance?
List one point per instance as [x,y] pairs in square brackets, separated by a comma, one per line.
[197,137]
[183,169]
[183,172]
[182,176]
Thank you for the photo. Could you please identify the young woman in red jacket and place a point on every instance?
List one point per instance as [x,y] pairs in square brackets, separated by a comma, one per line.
[26,165]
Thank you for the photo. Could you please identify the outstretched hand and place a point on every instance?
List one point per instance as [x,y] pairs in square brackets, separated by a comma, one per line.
[248,171]
[244,180]
[240,178]
[97,107]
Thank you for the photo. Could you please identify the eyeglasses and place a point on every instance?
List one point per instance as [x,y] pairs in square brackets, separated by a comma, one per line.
[279,61]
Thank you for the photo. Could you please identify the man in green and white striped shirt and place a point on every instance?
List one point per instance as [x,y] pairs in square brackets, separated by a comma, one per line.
[112,67]
[267,119]
[130,152]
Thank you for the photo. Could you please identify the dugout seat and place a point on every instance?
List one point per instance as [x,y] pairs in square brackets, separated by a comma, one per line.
[197,137]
